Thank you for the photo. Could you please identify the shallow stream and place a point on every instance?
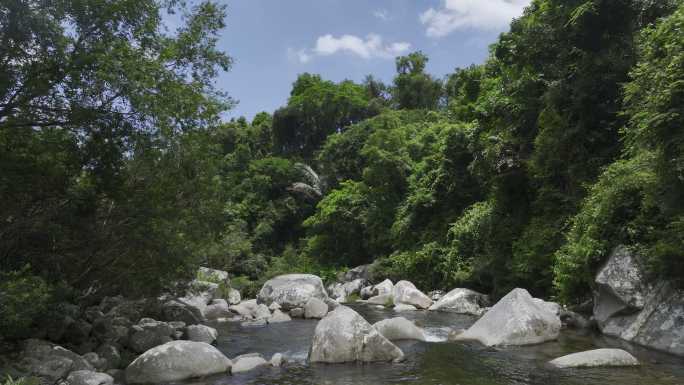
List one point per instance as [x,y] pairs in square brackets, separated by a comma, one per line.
[436,361]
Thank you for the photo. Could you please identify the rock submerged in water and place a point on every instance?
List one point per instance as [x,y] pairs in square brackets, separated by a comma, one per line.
[517,319]
[405,292]
[247,362]
[292,290]
[399,328]
[462,301]
[344,336]
[176,361]
[595,358]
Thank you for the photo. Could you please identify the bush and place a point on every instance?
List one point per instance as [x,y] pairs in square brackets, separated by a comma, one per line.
[617,211]
[23,297]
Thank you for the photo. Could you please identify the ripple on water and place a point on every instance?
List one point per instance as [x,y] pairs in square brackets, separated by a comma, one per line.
[437,361]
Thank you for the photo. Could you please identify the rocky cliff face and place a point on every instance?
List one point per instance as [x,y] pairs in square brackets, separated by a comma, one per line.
[628,307]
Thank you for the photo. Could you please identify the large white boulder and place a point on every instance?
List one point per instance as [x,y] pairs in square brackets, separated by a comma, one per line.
[344,336]
[463,301]
[517,319]
[405,292]
[399,328]
[176,361]
[594,358]
[292,290]
[315,308]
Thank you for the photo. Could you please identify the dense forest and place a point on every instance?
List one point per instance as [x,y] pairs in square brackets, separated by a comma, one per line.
[118,173]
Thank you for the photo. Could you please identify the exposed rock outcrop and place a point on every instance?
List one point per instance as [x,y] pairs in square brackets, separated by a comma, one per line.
[628,307]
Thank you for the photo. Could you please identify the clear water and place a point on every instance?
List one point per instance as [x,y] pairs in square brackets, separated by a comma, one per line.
[438,361]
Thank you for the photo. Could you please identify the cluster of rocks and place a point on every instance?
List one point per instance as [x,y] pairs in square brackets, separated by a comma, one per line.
[94,345]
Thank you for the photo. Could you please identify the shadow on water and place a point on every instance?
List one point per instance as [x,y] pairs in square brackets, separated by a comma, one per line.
[439,362]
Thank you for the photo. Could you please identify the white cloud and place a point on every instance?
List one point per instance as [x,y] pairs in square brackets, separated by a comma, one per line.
[372,46]
[477,14]
[382,14]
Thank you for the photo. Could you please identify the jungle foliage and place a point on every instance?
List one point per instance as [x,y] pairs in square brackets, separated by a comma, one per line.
[523,171]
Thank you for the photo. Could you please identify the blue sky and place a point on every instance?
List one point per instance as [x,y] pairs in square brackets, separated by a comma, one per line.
[272,41]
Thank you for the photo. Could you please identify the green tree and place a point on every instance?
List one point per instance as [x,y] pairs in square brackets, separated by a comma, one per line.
[413,88]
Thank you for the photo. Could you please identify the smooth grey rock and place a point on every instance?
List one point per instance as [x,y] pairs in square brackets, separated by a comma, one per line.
[384,287]
[261,312]
[87,377]
[292,290]
[274,306]
[403,307]
[201,333]
[553,307]
[218,308]
[246,363]
[399,328]
[246,309]
[383,299]
[297,312]
[179,310]
[405,292]
[620,286]
[149,333]
[278,316]
[342,290]
[359,272]
[344,336]
[234,297]
[315,308]
[594,358]
[517,319]
[176,361]
[463,301]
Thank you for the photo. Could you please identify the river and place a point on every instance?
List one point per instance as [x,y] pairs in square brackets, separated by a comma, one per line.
[436,362]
